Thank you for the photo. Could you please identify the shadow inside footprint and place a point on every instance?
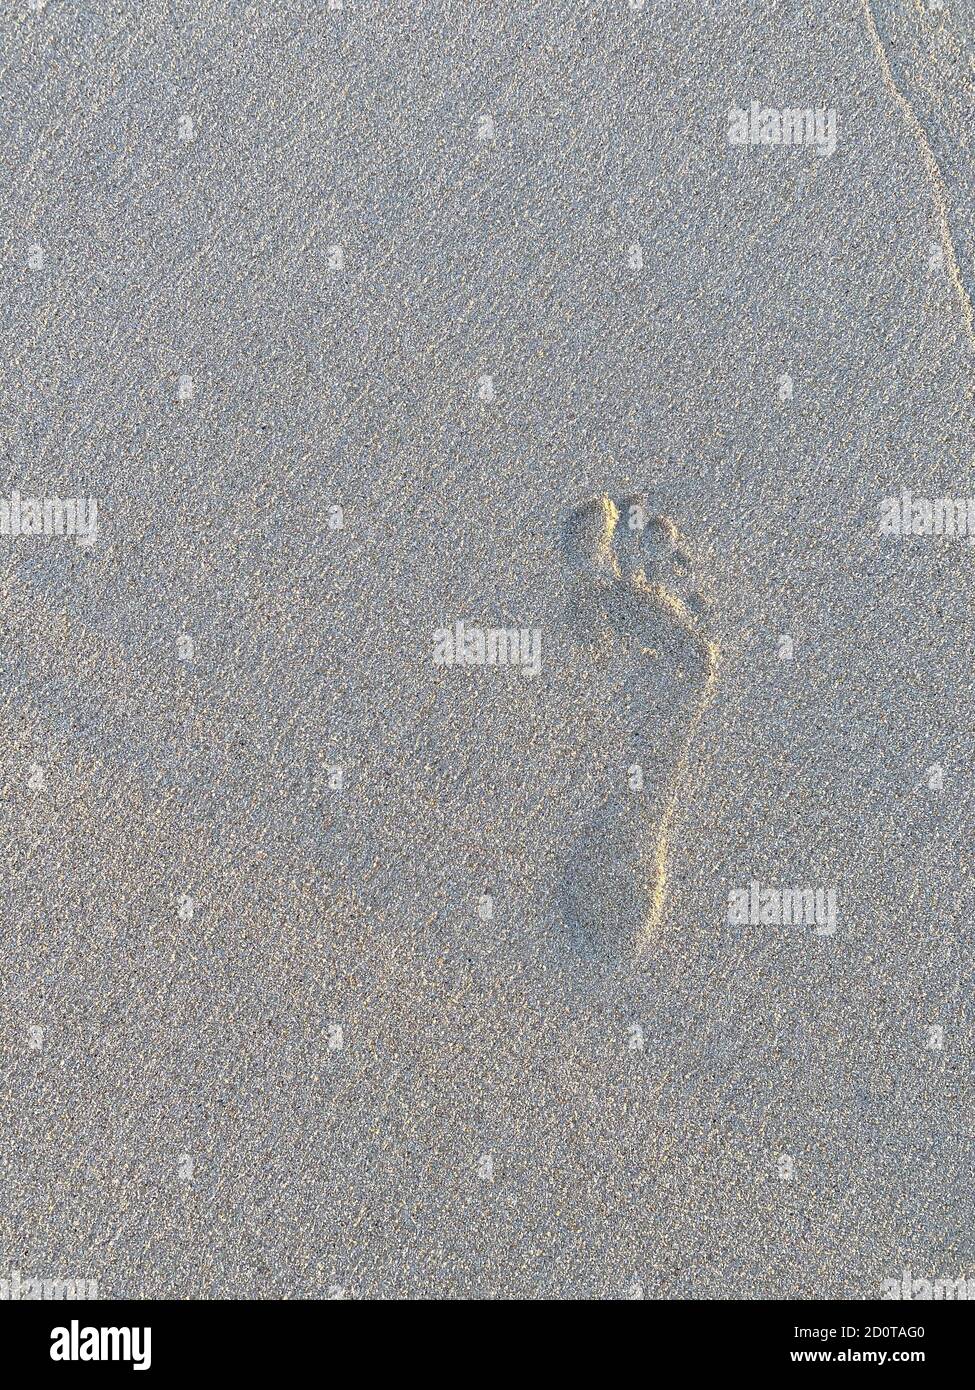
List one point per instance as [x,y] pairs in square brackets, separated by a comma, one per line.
[635,603]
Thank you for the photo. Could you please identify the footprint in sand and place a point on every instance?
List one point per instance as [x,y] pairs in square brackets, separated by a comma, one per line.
[634,601]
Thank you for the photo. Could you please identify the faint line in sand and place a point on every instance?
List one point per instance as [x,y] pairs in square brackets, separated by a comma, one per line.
[938,185]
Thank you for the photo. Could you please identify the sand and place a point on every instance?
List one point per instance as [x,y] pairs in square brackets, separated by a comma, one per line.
[333,970]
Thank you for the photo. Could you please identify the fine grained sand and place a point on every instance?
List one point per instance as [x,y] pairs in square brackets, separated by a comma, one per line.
[508,1113]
